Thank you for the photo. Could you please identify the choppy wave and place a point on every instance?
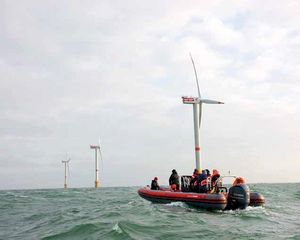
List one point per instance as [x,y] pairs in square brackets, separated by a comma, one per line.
[119,213]
[297,194]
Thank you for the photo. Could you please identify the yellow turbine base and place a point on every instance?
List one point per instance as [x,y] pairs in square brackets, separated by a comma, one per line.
[97,184]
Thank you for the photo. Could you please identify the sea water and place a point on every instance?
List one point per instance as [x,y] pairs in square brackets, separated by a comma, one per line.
[119,213]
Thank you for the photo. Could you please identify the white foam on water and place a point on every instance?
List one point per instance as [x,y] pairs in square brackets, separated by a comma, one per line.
[176,204]
[117,228]
[249,209]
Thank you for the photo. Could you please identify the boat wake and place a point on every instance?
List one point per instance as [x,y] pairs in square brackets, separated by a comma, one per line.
[176,204]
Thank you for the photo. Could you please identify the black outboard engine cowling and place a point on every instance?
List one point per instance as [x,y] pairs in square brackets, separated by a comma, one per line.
[238,197]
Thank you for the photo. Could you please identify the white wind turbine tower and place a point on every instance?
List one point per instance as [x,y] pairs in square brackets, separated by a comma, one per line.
[66,162]
[97,153]
[197,110]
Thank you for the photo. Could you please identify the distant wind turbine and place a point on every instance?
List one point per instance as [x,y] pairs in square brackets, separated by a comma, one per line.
[66,162]
[97,153]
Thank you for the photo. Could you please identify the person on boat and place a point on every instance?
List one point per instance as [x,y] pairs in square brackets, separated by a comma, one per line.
[174,179]
[214,178]
[202,182]
[154,184]
[193,182]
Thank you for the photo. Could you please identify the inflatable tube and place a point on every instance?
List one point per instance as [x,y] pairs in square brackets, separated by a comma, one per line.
[216,201]
[256,199]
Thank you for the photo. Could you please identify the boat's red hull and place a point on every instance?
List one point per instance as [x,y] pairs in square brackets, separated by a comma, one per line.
[202,200]
[217,201]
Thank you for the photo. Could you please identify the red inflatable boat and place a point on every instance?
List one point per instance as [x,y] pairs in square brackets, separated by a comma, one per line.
[236,197]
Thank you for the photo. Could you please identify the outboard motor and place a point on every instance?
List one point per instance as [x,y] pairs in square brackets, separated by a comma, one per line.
[238,197]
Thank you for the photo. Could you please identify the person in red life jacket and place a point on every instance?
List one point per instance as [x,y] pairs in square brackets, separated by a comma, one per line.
[193,182]
[202,181]
[239,180]
[174,179]
[154,184]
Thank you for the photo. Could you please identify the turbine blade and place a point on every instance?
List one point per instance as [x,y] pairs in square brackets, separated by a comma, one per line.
[100,154]
[199,95]
[200,114]
[101,159]
[68,169]
[210,101]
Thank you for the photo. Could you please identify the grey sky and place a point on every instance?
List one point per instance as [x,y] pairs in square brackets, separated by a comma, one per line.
[72,71]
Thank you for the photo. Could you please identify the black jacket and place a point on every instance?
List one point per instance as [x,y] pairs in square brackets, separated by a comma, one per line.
[154,185]
[174,179]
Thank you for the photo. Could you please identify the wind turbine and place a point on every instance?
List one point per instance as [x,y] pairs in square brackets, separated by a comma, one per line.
[197,111]
[97,149]
[66,162]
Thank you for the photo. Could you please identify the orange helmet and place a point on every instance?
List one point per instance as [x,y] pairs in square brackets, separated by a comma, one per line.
[239,180]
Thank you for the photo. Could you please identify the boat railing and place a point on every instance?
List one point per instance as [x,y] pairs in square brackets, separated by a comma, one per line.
[220,181]
[219,187]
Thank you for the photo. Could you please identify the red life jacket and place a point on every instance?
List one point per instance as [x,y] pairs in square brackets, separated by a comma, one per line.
[203,182]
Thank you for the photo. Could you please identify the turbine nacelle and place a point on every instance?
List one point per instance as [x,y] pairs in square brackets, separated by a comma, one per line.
[197,100]
[94,146]
[66,161]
